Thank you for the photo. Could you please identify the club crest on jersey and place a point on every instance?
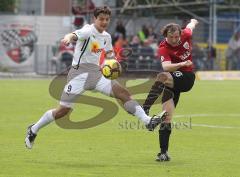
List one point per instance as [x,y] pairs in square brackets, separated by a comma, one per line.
[162,58]
[186,45]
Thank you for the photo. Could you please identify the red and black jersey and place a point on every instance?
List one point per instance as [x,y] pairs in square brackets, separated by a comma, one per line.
[179,53]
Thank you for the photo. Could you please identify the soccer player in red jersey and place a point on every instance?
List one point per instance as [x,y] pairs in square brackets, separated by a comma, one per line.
[175,52]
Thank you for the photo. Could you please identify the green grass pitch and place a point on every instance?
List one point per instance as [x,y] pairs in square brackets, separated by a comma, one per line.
[205,145]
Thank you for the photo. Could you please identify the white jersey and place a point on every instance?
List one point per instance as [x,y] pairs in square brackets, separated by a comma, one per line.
[90,45]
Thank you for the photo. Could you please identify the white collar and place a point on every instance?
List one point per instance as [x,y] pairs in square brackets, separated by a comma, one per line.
[95,29]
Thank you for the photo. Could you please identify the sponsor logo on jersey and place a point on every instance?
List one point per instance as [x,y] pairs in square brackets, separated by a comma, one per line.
[185,55]
[95,47]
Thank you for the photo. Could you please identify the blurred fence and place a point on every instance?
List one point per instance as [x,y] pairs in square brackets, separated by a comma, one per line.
[43,58]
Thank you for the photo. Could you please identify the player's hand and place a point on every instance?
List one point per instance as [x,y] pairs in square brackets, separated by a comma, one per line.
[186,63]
[69,38]
[194,21]
[66,40]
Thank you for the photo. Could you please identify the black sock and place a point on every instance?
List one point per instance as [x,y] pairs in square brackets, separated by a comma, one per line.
[153,95]
[164,134]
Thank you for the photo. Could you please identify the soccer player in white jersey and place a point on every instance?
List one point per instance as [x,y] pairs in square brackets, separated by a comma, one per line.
[85,74]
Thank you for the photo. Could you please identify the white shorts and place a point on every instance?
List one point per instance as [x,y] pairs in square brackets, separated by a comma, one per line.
[85,78]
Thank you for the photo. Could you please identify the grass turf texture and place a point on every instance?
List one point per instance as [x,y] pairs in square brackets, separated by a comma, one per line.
[114,149]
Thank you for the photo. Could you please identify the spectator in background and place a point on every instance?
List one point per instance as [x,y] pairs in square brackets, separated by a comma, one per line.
[152,33]
[160,37]
[135,42]
[233,52]
[119,45]
[211,56]
[63,56]
[143,34]
[120,29]
[145,31]
[80,11]
[198,55]
[151,41]
[78,17]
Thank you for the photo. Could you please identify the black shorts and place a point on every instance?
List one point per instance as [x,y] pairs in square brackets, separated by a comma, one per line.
[183,82]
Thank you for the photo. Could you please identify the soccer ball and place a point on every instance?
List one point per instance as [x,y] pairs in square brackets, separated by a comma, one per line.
[111,69]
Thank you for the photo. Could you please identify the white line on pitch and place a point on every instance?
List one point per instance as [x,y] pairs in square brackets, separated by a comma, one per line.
[208,115]
[214,126]
[211,115]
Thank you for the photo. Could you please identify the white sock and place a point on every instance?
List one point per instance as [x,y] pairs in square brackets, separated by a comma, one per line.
[142,115]
[134,108]
[43,121]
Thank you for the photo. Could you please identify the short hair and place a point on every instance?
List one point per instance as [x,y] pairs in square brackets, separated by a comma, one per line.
[170,28]
[102,10]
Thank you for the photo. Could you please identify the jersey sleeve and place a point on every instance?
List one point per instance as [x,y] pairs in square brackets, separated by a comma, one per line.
[108,46]
[187,33]
[82,33]
[163,54]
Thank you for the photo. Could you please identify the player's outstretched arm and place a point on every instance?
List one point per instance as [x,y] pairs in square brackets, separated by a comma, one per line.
[192,24]
[69,38]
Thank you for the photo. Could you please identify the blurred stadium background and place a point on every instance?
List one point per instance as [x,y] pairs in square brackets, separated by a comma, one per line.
[30,31]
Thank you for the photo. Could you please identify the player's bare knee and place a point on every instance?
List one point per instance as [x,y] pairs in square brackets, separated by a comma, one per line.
[169,81]
[122,94]
[162,77]
[166,78]
[61,112]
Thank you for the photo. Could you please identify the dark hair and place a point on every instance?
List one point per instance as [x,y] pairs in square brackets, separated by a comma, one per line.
[102,10]
[170,28]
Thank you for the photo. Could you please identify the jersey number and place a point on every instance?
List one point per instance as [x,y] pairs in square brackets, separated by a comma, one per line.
[69,88]
[178,73]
